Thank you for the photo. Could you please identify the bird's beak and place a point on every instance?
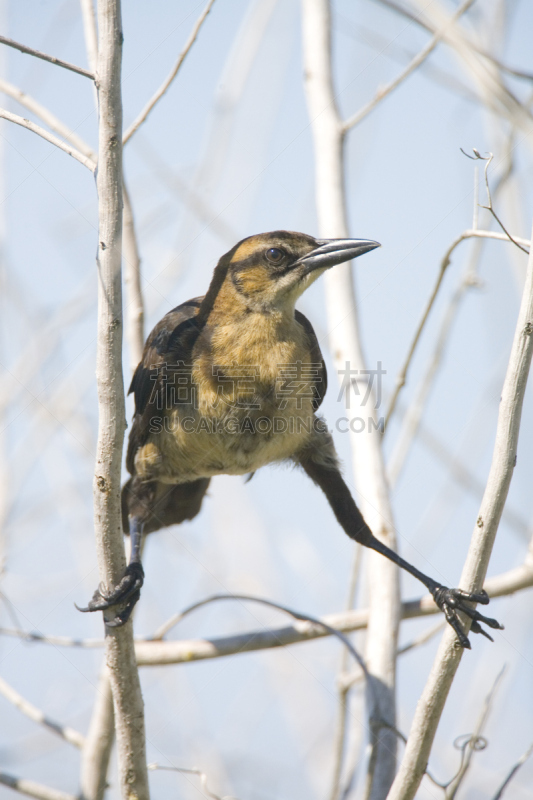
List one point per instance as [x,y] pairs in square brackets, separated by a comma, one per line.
[330,252]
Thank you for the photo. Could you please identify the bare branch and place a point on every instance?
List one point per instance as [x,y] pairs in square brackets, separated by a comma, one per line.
[185,190]
[166,83]
[513,772]
[31,126]
[483,70]
[384,91]
[296,614]
[345,345]
[68,734]
[431,703]
[96,752]
[341,727]
[132,279]
[391,49]
[488,159]
[458,471]
[423,638]
[120,654]
[52,59]
[90,33]
[153,651]
[192,771]
[32,789]
[419,20]
[471,744]
[445,263]
[48,118]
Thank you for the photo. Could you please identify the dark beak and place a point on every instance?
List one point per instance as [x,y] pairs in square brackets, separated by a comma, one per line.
[330,252]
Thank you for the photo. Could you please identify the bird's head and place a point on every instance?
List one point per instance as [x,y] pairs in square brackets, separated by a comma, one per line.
[269,271]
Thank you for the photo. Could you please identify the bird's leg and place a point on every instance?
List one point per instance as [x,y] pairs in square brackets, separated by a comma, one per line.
[126,593]
[450,601]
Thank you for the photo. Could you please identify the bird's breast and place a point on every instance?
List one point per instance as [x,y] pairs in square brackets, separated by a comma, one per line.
[247,402]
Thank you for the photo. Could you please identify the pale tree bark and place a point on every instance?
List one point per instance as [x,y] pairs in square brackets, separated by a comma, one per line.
[345,344]
[98,745]
[120,654]
[132,280]
[431,703]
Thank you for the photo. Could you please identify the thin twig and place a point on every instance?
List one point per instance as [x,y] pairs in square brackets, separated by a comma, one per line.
[431,703]
[419,20]
[185,190]
[31,126]
[342,700]
[384,92]
[347,680]
[192,771]
[468,234]
[132,279]
[45,57]
[411,424]
[375,716]
[458,471]
[64,731]
[422,638]
[153,651]
[166,83]
[485,73]
[90,33]
[32,789]
[477,156]
[471,743]
[388,48]
[48,118]
[513,772]
[248,597]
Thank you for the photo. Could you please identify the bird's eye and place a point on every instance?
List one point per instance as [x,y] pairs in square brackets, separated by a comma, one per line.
[275,255]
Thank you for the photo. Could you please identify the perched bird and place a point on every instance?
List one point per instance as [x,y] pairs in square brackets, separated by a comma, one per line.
[230,382]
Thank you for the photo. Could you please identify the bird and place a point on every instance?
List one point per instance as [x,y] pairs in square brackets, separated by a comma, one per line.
[233,381]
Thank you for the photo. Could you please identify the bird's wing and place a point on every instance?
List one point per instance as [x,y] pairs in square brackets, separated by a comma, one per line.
[321,382]
[170,343]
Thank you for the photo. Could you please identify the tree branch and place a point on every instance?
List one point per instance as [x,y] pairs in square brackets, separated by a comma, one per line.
[48,118]
[132,280]
[31,126]
[345,345]
[431,703]
[90,33]
[120,654]
[191,771]
[384,92]
[166,83]
[52,59]
[68,734]
[96,752]
[157,653]
[513,772]
[32,789]
[153,651]
[445,263]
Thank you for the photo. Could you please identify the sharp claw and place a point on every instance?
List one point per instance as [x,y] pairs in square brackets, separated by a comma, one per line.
[128,590]
[452,600]
[123,616]
[476,628]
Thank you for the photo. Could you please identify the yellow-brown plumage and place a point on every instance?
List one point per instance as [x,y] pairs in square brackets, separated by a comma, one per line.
[213,395]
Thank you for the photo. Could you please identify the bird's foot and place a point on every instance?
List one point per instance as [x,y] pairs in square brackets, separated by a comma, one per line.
[450,601]
[125,594]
